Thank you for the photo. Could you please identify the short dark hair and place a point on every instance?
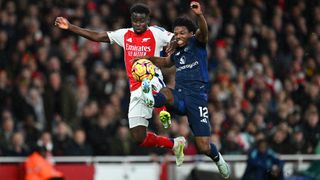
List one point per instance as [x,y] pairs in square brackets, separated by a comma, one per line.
[260,141]
[140,8]
[185,21]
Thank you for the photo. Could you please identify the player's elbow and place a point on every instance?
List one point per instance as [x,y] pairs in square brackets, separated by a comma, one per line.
[167,64]
[101,37]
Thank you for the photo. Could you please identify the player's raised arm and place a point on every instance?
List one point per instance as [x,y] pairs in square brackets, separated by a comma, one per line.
[63,23]
[202,32]
[171,46]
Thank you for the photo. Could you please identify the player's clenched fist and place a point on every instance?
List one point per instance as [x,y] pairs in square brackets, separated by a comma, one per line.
[195,6]
[62,23]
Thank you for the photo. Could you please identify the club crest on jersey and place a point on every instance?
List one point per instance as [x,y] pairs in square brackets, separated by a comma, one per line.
[183,60]
[186,49]
[145,39]
[129,40]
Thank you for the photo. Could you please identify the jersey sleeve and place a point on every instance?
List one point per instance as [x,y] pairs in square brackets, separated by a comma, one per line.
[117,36]
[163,36]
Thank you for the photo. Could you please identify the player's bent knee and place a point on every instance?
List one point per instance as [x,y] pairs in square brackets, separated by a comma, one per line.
[203,145]
[137,138]
[138,134]
[168,94]
[165,91]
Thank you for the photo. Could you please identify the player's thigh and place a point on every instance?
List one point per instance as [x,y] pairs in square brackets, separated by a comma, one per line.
[178,106]
[198,115]
[139,113]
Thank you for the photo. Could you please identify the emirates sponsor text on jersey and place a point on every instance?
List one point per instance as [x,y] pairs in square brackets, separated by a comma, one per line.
[133,50]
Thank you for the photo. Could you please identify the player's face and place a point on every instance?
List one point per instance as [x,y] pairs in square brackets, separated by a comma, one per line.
[139,22]
[263,146]
[182,34]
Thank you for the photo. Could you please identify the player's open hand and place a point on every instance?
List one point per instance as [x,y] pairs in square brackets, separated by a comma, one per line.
[62,23]
[195,7]
[171,47]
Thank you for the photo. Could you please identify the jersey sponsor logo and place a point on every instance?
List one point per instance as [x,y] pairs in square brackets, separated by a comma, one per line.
[182,60]
[134,50]
[129,40]
[133,47]
[187,66]
[204,120]
[137,48]
[145,40]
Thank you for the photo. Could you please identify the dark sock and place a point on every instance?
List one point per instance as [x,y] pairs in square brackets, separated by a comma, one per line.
[214,154]
[159,100]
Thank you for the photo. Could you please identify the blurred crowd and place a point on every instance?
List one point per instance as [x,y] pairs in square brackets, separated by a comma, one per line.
[71,95]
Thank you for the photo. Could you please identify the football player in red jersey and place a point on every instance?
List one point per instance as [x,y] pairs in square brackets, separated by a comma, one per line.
[140,40]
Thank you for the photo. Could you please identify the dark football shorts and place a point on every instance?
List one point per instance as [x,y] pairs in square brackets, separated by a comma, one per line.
[195,107]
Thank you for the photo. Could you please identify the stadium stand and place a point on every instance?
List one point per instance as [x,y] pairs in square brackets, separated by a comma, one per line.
[264,64]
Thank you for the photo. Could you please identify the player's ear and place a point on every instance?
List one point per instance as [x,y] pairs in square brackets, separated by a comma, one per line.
[148,20]
[191,33]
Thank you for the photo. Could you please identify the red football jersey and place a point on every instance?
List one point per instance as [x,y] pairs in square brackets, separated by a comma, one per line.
[149,43]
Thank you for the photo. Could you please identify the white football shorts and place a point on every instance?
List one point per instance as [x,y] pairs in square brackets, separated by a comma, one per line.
[139,113]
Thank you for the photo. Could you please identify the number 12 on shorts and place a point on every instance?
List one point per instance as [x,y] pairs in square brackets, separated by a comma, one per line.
[203,114]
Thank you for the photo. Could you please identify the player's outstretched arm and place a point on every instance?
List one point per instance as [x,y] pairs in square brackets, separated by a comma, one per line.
[158,61]
[162,61]
[63,23]
[202,32]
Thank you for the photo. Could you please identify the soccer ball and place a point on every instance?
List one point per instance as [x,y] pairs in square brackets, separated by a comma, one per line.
[143,68]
